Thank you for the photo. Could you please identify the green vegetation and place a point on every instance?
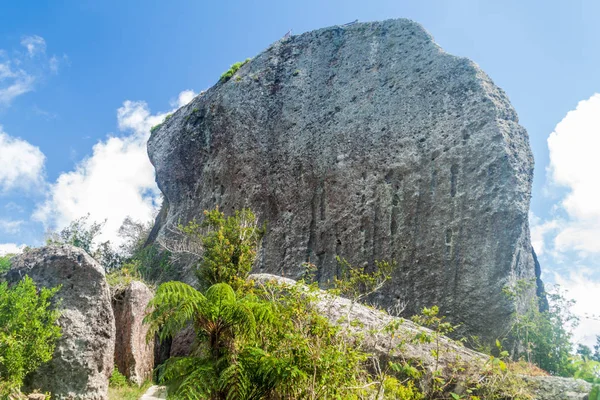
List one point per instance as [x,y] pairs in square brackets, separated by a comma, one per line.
[156,127]
[120,389]
[5,263]
[271,342]
[356,283]
[131,261]
[229,247]
[232,70]
[28,332]
[595,393]
[255,343]
[544,335]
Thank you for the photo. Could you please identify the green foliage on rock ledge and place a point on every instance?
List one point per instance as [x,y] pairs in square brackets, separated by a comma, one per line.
[28,332]
[232,70]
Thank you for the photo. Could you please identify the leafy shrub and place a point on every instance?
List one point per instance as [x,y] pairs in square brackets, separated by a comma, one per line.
[544,336]
[232,70]
[28,331]
[119,388]
[117,379]
[5,263]
[123,276]
[229,245]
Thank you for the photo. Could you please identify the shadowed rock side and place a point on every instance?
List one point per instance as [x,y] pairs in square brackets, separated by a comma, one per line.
[368,142]
[83,358]
[134,355]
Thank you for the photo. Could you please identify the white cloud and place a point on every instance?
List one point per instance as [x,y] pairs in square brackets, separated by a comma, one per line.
[184,98]
[581,288]
[22,163]
[53,63]
[10,226]
[10,248]
[56,62]
[574,164]
[18,82]
[34,44]
[539,231]
[20,73]
[571,238]
[116,181]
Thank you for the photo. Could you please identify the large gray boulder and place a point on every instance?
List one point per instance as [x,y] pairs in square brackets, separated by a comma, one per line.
[84,355]
[134,354]
[368,142]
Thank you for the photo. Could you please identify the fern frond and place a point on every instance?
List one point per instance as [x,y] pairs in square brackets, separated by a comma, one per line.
[174,306]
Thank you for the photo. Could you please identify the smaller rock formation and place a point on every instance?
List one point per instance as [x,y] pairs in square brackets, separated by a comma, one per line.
[134,355]
[558,388]
[84,355]
[376,340]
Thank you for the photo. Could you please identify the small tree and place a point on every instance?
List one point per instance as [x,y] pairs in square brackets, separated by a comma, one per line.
[229,246]
[544,336]
[28,332]
[80,233]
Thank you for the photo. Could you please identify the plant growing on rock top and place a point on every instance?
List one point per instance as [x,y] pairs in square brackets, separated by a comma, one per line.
[232,70]
[28,332]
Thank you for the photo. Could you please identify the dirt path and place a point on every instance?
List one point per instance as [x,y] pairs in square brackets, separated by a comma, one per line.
[155,393]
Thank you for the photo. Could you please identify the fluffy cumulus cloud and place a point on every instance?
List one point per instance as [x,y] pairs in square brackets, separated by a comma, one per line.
[10,248]
[570,239]
[574,164]
[22,163]
[115,182]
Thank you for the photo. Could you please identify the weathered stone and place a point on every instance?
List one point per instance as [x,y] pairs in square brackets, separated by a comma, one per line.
[371,143]
[84,355]
[134,354]
[183,343]
[557,388]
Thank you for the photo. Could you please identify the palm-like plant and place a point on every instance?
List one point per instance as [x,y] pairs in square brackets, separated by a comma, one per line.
[224,326]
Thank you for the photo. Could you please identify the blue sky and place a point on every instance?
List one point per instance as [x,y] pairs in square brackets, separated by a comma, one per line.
[81,82]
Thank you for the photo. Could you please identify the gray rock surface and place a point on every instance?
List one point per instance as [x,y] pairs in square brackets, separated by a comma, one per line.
[557,388]
[371,143]
[84,355]
[134,355]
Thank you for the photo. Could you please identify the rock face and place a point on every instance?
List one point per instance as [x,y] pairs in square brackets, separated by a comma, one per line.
[84,355]
[134,355]
[371,143]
